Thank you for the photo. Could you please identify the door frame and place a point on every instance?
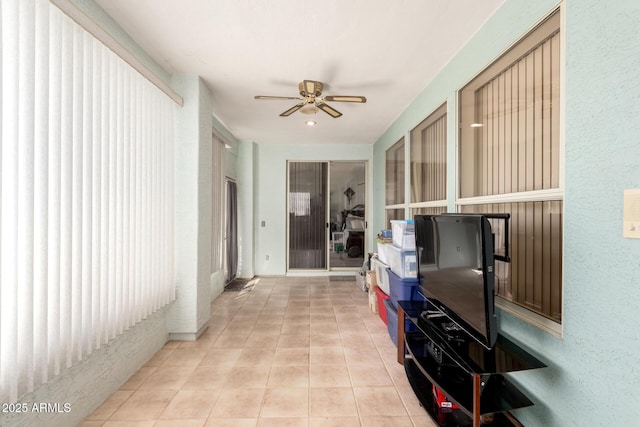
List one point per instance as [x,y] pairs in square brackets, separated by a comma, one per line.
[367,215]
[225,239]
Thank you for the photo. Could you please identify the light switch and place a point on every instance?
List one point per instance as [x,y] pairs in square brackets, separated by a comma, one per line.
[631,214]
[263,224]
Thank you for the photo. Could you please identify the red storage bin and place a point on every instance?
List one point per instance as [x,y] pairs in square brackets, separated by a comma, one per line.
[382,311]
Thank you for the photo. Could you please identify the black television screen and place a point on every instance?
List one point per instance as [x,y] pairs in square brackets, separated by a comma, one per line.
[456,265]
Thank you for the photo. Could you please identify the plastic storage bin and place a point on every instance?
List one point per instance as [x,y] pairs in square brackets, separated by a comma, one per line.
[392,322]
[381,297]
[402,289]
[383,252]
[403,262]
[403,234]
[361,282]
[382,276]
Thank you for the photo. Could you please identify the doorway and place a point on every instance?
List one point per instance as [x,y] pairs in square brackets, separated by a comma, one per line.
[231,231]
[326,215]
[347,214]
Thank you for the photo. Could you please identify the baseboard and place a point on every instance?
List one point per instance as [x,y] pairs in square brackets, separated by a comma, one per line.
[188,336]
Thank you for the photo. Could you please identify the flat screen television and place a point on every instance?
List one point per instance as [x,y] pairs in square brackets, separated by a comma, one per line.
[456,264]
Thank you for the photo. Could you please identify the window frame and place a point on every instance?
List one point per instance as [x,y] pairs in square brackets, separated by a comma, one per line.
[529,40]
[433,205]
[396,206]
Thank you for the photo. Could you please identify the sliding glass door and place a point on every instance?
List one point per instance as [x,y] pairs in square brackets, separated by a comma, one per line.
[231,231]
[347,190]
[326,208]
[307,215]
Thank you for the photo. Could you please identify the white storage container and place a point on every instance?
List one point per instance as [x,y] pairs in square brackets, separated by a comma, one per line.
[402,262]
[383,252]
[382,275]
[361,282]
[403,234]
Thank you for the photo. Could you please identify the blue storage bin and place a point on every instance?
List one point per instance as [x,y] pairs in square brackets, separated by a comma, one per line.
[392,322]
[402,262]
[402,289]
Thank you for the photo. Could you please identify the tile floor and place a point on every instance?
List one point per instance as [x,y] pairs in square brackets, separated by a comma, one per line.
[291,352]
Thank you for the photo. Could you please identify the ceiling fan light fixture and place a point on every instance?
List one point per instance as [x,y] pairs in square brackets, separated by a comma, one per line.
[310,88]
[309,109]
[312,100]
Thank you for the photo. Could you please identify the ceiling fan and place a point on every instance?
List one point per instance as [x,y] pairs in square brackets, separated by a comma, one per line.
[312,99]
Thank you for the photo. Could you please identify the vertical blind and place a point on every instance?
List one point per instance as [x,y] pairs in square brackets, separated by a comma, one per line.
[394,172]
[429,158]
[308,215]
[510,159]
[533,278]
[86,213]
[518,143]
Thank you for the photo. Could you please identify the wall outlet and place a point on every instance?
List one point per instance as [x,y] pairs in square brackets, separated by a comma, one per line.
[266,257]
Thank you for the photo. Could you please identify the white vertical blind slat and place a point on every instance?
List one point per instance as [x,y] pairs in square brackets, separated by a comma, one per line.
[9,217]
[86,213]
[25,191]
[40,209]
[87,200]
[53,228]
[66,169]
[95,196]
[75,351]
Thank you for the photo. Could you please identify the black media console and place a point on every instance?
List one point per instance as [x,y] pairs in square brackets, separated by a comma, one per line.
[441,360]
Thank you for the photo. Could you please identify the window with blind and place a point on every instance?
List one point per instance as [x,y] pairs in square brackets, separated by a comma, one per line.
[509,161]
[428,161]
[394,176]
[86,212]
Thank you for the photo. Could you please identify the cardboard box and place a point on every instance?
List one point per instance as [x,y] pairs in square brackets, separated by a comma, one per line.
[371,279]
[373,302]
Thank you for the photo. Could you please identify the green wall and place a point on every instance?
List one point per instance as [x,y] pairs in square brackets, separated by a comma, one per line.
[592,378]
[269,165]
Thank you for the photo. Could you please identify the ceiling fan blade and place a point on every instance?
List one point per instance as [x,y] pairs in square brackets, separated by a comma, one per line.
[275,97]
[329,110]
[310,87]
[292,110]
[345,98]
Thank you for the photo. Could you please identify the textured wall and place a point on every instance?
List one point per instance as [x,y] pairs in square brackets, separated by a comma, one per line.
[592,378]
[191,310]
[89,383]
[246,208]
[270,196]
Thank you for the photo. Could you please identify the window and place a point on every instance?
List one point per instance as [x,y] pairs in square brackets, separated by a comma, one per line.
[394,194]
[428,211]
[509,161]
[86,204]
[428,160]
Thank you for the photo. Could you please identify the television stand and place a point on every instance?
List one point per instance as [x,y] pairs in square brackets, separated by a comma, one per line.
[443,360]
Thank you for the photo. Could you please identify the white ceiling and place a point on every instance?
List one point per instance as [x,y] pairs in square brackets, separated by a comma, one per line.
[385,50]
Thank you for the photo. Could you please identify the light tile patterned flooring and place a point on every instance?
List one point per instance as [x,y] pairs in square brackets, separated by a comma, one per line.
[292,352]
